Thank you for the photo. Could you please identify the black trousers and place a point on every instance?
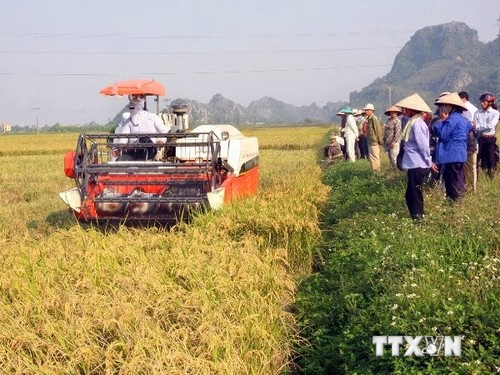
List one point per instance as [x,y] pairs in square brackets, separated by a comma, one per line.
[414,193]
[363,147]
[486,154]
[454,180]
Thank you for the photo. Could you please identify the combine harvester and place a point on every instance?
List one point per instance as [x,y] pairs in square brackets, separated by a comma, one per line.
[188,171]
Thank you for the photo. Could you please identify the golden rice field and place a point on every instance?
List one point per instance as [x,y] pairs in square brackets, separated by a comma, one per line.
[205,298]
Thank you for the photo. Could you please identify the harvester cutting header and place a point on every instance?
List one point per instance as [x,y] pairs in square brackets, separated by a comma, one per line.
[152,168]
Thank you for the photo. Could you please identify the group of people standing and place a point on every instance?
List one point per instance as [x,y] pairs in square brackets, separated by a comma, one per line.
[457,139]
[362,133]
[450,142]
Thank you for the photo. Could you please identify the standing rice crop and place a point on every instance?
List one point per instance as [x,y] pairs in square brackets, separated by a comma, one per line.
[210,297]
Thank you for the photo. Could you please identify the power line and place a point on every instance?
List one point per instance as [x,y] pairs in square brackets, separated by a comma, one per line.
[127,53]
[135,36]
[199,71]
[13,34]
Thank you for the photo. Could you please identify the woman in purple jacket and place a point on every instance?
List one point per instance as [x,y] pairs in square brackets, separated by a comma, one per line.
[451,151]
[417,155]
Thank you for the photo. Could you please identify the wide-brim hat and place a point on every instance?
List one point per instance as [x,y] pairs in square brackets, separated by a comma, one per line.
[392,109]
[451,99]
[340,113]
[369,106]
[347,110]
[414,102]
[358,112]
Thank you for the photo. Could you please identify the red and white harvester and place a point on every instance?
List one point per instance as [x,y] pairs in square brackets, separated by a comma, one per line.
[190,170]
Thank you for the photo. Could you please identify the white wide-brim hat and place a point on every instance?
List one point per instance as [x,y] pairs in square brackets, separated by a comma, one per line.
[369,106]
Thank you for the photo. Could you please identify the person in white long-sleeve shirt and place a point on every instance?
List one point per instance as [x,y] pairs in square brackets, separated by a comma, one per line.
[471,108]
[470,166]
[141,122]
[485,122]
[350,133]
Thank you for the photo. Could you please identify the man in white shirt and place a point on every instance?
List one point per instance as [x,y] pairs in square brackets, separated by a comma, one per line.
[141,122]
[471,108]
[350,133]
[485,122]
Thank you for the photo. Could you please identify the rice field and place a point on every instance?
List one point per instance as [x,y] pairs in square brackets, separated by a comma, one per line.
[210,297]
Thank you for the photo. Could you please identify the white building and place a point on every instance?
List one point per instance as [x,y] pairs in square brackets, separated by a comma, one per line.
[6,127]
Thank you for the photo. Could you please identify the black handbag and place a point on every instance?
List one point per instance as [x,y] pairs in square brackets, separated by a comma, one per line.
[399,158]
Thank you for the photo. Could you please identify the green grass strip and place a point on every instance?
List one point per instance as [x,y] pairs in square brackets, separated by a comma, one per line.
[380,274]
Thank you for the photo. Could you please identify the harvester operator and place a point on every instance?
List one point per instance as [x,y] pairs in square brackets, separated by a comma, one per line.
[141,122]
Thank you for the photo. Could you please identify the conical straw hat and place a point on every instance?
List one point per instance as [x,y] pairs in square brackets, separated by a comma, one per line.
[414,102]
[452,99]
[392,109]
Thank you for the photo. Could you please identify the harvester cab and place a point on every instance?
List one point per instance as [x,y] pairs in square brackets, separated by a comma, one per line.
[159,177]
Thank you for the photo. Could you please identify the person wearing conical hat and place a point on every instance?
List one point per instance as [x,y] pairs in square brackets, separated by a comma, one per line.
[451,150]
[375,136]
[416,154]
[392,134]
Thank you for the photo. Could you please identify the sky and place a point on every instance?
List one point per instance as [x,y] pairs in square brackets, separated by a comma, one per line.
[55,55]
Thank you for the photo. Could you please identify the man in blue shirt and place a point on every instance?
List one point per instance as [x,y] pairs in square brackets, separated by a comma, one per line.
[451,150]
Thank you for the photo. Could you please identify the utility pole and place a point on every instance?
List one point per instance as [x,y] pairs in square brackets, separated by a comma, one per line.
[389,89]
[36,109]
[498,59]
